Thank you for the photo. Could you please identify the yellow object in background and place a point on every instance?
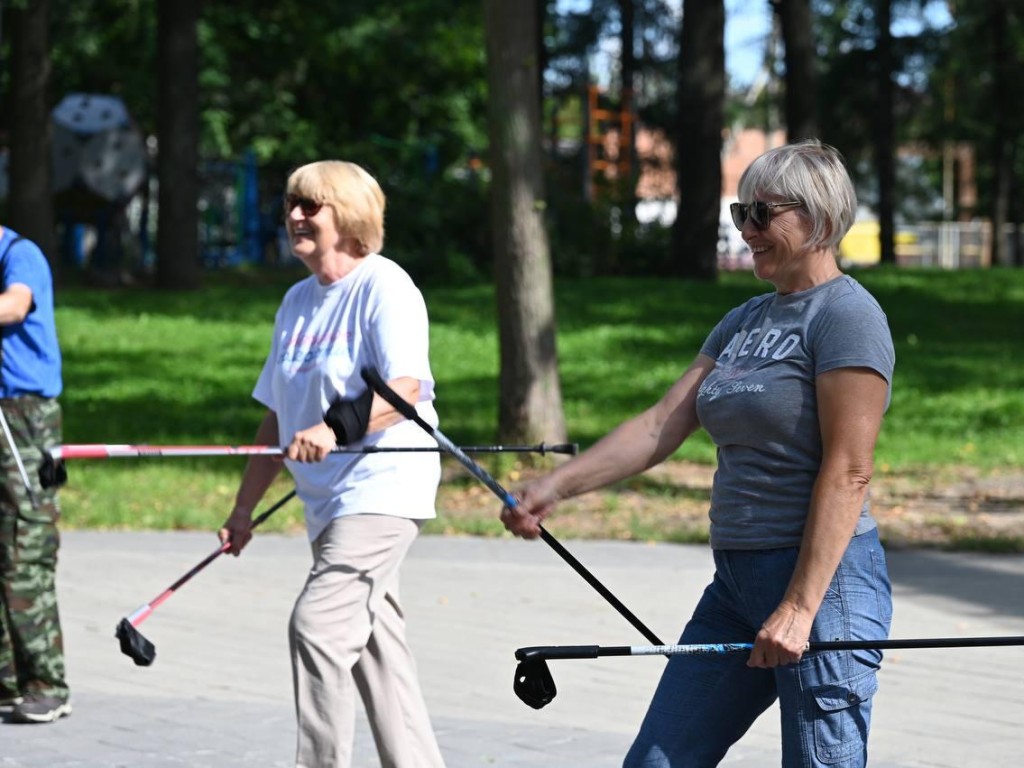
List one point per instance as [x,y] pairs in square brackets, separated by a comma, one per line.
[862,247]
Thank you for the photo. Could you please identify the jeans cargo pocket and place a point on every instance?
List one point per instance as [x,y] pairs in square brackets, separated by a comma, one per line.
[840,724]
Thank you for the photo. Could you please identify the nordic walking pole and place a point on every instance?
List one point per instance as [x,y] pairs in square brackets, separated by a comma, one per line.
[552,652]
[133,643]
[535,687]
[376,383]
[107,451]
[53,473]
[17,460]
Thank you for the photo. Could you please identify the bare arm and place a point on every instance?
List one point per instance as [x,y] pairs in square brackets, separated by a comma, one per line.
[316,442]
[15,304]
[632,447]
[383,414]
[260,472]
[851,402]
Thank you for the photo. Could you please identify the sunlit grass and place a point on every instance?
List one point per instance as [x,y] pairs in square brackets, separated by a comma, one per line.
[149,367]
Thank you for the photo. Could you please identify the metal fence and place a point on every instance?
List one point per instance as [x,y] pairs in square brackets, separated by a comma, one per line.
[939,245]
[947,245]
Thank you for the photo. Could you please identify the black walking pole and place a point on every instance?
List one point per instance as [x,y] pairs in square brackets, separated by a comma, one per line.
[133,643]
[535,687]
[375,382]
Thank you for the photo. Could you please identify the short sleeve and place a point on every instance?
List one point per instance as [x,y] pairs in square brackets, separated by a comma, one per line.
[854,333]
[399,331]
[26,265]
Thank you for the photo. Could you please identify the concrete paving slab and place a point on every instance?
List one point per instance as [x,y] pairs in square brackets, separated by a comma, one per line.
[219,693]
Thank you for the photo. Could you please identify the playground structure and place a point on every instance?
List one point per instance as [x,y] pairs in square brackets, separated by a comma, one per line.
[236,227]
[99,163]
[105,192]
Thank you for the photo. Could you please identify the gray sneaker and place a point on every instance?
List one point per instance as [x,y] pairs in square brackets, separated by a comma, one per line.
[9,700]
[40,709]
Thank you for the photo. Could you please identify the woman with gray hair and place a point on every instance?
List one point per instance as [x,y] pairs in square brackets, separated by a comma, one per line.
[363,510]
[791,386]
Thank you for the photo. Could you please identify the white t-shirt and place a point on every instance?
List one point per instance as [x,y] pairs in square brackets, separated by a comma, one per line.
[323,336]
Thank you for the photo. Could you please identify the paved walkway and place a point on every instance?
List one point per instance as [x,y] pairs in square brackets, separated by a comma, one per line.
[219,693]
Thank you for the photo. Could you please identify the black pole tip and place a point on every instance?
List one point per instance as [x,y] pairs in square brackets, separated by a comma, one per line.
[134,645]
[533,683]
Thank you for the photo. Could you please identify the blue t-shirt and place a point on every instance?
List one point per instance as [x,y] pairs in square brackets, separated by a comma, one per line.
[30,362]
[760,406]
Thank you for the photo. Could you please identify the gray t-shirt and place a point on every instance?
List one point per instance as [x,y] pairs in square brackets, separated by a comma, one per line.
[759,404]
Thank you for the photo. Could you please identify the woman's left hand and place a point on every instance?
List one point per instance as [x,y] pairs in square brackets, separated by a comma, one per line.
[783,637]
[313,444]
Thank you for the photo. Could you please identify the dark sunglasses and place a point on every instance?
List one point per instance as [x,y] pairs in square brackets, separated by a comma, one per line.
[758,211]
[308,207]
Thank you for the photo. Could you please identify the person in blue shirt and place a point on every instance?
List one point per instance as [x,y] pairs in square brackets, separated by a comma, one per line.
[31,645]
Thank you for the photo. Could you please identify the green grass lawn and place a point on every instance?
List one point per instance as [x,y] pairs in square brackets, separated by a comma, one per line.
[151,367]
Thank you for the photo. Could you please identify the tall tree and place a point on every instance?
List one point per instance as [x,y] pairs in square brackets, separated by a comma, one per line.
[177,126]
[530,402]
[885,132]
[701,114]
[627,137]
[30,204]
[1004,137]
[795,20]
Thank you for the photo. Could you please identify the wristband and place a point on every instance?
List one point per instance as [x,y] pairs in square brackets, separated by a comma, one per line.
[349,419]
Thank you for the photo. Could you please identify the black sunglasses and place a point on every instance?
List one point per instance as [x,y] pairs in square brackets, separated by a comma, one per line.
[308,206]
[759,212]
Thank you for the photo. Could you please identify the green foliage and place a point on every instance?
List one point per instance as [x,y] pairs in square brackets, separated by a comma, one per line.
[394,85]
[847,34]
[106,46]
[294,85]
[400,86]
[439,229]
[599,237]
[144,367]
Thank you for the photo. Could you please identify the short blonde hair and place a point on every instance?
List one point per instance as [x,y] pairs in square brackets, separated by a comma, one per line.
[813,173]
[353,194]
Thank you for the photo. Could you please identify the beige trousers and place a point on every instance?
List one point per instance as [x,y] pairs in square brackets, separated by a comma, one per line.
[347,633]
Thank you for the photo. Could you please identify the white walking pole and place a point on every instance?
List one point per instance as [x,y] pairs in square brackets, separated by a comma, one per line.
[17,460]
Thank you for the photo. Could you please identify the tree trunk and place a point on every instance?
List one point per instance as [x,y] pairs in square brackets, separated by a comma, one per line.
[177,126]
[627,138]
[530,406]
[885,136]
[798,39]
[30,198]
[1002,140]
[701,98]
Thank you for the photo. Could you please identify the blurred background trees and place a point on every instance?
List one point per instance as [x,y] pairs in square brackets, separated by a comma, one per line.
[916,93]
[635,134]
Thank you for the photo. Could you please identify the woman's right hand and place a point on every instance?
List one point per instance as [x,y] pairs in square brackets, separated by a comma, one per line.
[313,444]
[237,530]
[536,500]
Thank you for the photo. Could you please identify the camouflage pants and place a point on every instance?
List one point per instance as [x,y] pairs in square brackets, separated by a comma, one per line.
[31,644]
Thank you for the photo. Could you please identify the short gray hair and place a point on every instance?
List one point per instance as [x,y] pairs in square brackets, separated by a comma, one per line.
[813,173]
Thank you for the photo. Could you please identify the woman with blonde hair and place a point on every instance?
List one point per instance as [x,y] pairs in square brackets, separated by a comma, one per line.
[363,510]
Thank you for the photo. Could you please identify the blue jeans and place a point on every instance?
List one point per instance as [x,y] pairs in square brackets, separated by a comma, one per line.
[704,704]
